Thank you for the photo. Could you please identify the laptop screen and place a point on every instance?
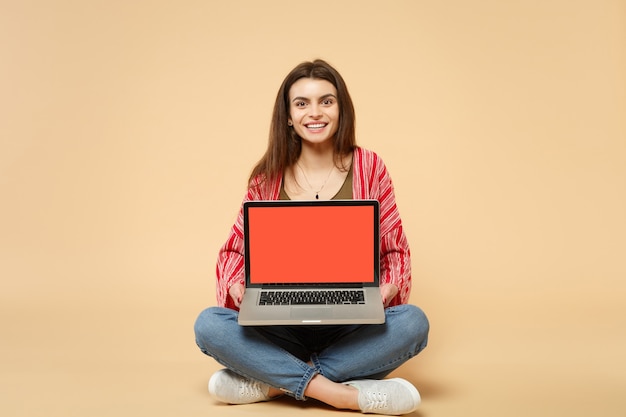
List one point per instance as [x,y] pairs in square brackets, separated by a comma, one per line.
[321,243]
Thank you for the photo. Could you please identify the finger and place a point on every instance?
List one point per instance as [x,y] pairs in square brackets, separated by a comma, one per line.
[385,295]
[388,292]
[238,298]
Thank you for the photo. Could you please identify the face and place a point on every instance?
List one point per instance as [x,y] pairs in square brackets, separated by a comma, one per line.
[314,111]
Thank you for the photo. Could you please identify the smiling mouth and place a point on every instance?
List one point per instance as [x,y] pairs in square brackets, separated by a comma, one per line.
[316,125]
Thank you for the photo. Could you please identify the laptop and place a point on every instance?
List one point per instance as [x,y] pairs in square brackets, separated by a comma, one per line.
[311,263]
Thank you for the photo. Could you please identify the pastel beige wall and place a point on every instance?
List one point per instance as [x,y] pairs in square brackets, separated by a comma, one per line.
[128,129]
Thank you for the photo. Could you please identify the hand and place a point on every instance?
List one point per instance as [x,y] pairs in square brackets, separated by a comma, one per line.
[236,293]
[388,292]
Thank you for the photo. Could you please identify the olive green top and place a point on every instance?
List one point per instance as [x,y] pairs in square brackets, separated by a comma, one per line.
[344,193]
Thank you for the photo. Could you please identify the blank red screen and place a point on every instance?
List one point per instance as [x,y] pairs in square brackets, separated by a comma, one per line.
[305,244]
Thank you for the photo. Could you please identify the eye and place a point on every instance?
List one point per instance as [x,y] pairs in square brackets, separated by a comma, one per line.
[328,102]
[299,104]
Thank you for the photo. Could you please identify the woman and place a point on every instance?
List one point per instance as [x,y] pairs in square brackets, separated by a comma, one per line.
[312,154]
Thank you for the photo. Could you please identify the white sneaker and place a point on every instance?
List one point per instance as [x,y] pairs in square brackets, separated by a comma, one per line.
[394,396]
[228,387]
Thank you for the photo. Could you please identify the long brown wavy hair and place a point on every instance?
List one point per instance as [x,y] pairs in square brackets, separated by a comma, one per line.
[284,145]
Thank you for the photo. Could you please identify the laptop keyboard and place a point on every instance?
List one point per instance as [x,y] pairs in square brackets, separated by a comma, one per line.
[312,297]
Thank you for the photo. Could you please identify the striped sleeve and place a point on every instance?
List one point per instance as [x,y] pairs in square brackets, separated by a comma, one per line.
[372,181]
[230,259]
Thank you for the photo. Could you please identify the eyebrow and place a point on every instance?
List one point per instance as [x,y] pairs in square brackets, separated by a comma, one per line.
[325,96]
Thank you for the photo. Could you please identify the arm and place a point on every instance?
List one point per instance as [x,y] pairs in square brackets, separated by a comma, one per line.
[395,260]
[230,260]
[230,265]
[372,180]
[395,265]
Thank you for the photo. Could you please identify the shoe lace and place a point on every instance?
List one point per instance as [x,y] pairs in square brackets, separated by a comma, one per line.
[376,400]
[250,388]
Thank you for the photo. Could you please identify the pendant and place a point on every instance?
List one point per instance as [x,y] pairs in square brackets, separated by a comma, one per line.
[317,196]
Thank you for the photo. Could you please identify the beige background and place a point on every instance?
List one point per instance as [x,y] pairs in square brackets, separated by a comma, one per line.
[128,129]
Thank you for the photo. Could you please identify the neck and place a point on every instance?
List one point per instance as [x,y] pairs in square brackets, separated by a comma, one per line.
[316,157]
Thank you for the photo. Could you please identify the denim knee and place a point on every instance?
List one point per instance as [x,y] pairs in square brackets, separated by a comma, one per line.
[211,326]
[413,323]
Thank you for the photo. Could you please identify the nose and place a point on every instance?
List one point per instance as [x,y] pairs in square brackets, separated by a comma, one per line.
[315,110]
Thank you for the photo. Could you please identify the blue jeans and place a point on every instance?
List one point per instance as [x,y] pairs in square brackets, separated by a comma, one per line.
[281,356]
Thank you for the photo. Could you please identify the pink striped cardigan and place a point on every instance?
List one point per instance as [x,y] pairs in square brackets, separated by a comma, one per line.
[370,181]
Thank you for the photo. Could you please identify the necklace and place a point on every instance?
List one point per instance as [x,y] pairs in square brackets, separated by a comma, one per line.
[317,193]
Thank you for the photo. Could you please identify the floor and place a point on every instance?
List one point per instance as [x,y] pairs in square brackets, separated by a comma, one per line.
[83,358]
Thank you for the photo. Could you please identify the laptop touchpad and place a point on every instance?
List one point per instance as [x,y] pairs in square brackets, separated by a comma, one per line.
[311,313]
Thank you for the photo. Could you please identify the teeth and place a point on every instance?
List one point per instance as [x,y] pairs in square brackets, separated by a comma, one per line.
[316,126]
